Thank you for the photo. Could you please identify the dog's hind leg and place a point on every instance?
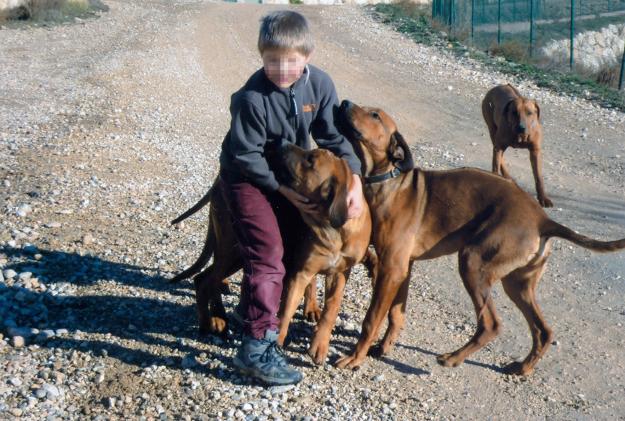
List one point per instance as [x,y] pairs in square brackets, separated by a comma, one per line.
[312,311]
[208,293]
[209,285]
[477,281]
[520,286]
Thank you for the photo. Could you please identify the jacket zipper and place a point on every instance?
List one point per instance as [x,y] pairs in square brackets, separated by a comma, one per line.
[294,120]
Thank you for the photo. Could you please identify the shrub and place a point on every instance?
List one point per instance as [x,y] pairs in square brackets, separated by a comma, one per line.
[510,50]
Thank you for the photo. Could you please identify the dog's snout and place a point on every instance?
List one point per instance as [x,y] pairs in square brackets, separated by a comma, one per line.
[522,127]
[346,105]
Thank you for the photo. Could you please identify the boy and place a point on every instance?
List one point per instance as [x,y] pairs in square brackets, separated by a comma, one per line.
[285,101]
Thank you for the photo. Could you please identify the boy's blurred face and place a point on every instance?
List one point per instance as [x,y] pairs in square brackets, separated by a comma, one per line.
[284,67]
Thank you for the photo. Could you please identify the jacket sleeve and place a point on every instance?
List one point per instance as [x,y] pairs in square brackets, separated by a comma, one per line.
[248,136]
[325,133]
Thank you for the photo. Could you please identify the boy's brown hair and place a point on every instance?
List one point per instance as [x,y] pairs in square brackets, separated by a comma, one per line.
[285,30]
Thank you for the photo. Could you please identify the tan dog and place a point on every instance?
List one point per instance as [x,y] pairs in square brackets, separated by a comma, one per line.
[514,121]
[334,246]
[497,229]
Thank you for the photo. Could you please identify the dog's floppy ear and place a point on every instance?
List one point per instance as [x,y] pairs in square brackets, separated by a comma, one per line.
[399,153]
[506,109]
[508,112]
[537,108]
[335,194]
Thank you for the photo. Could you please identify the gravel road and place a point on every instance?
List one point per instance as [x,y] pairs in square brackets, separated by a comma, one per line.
[111,126]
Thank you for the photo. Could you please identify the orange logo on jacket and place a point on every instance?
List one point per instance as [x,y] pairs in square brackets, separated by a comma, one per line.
[309,108]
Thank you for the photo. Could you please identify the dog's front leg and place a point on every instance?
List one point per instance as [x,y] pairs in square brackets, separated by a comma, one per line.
[499,163]
[334,289]
[396,316]
[537,168]
[296,288]
[391,275]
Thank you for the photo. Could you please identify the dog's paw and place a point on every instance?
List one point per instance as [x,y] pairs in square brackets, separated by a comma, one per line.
[517,368]
[449,360]
[545,202]
[318,351]
[351,362]
[217,325]
[380,350]
[312,314]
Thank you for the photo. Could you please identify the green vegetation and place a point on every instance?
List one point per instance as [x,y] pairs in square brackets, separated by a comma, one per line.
[509,58]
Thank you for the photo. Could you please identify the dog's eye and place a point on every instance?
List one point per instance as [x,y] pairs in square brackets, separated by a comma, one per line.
[310,159]
[375,115]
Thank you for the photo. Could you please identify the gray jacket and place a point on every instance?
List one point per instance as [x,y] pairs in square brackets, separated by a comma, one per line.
[264,115]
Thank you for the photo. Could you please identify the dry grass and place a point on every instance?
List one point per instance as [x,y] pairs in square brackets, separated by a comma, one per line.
[51,10]
[609,75]
[414,10]
[511,51]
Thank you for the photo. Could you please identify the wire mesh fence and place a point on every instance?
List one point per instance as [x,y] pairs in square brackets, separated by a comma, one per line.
[543,29]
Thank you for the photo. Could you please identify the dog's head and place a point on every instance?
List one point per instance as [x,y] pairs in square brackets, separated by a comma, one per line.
[523,115]
[375,138]
[321,177]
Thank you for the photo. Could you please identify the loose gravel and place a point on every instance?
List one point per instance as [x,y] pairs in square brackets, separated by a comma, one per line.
[111,126]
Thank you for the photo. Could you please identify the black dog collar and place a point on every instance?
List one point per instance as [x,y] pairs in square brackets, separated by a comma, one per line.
[382,177]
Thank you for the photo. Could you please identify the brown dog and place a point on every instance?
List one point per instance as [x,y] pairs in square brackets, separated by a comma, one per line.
[334,246]
[497,229]
[514,121]
[226,262]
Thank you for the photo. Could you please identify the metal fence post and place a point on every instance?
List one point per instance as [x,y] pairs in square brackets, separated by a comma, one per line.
[572,58]
[498,22]
[531,27]
[472,18]
[620,79]
[452,10]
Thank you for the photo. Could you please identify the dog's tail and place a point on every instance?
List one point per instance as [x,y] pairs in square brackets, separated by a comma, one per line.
[199,205]
[553,229]
[207,253]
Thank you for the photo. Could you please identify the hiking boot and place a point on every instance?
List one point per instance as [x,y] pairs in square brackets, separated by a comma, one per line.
[264,360]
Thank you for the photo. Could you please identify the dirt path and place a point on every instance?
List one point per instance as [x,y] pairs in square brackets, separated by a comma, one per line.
[110,143]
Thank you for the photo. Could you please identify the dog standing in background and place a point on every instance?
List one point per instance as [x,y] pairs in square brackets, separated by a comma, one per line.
[514,121]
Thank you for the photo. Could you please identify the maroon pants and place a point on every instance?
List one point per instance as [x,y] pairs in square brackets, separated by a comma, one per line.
[255,215]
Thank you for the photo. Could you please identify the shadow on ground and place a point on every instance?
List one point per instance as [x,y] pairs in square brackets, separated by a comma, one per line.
[145,319]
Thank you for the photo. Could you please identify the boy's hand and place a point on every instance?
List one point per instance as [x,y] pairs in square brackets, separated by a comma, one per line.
[299,201]
[355,199]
